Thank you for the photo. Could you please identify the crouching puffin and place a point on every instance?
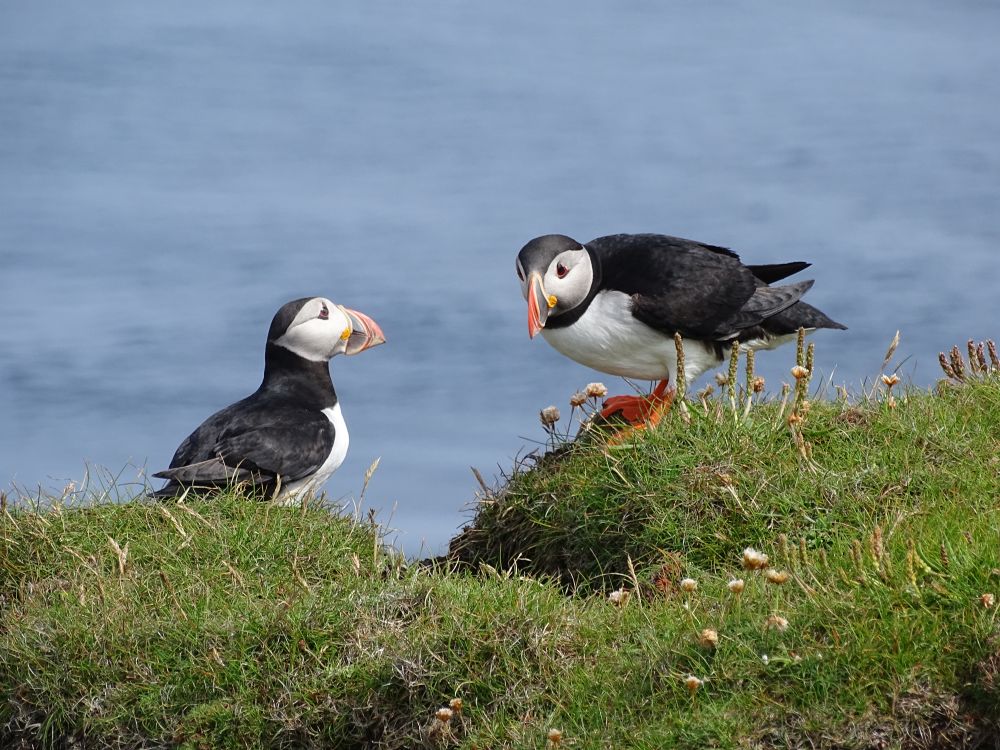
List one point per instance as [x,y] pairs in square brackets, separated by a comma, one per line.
[615,303]
[289,436]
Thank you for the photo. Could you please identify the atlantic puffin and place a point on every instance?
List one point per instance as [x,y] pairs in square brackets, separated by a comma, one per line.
[289,436]
[615,303]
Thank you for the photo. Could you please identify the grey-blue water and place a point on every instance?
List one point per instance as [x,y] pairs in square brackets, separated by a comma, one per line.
[171,173]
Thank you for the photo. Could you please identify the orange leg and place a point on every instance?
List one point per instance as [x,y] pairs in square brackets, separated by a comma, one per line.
[641,410]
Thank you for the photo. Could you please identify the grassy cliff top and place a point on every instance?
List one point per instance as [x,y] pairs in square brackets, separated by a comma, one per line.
[603,597]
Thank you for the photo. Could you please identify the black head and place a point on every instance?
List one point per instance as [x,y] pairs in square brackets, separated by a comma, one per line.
[317,329]
[282,319]
[556,274]
[539,253]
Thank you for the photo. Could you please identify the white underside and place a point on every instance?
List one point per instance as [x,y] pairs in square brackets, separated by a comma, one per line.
[294,491]
[608,338]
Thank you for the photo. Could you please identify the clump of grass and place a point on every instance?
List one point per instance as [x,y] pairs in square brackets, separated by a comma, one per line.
[731,476]
[179,622]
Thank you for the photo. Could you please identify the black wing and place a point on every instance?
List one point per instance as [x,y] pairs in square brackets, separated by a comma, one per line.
[678,285]
[250,442]
[292,451]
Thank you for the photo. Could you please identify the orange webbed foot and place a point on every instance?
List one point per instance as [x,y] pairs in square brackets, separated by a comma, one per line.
[640,411]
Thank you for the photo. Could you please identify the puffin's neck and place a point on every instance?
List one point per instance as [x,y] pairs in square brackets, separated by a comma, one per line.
[289,375]
[571,316]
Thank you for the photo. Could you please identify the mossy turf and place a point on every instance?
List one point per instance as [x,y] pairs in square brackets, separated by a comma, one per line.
[229,623]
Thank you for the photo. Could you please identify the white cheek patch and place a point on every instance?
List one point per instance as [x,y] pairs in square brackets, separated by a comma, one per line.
[313,338]
[574,287]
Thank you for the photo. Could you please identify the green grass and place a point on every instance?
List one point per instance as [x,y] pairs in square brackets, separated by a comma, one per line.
[230,623]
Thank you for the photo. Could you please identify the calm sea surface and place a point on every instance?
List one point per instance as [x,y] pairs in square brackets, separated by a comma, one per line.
[170,174]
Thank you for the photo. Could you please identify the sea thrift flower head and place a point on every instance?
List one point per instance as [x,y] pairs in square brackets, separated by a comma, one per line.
[708,638]
[754,560]
[618,597]
[890,380]
[549,415]
[596,390]
[764,658]
[988,600]
[721,378]
[444,715]
[456,705]
[775,576]
[688,585]
[692,683]
[578,399]
[736,585]
[555,737]
[800,372]
[757,385]
[777,622]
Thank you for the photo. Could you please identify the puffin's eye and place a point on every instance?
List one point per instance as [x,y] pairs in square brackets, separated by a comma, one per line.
[324,313]
[561,270]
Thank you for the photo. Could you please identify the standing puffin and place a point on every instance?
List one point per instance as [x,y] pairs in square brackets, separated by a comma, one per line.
[289,436]
[615,303]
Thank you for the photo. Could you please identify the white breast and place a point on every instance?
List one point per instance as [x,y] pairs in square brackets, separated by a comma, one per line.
[294,491]
[608,338]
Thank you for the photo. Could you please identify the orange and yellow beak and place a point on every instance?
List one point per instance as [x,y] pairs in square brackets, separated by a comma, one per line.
[539,304]
[365,332]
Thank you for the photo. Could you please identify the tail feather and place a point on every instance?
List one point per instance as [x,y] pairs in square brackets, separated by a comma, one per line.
[772,272]
[799,315]
[210,475]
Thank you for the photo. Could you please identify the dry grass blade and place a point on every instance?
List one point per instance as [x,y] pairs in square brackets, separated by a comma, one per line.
[195,514]
[635,578]
[234,573]
[889,352]
[297,574]
[177,524]
[121,552]
[487,492]
[369,473]
[173,595]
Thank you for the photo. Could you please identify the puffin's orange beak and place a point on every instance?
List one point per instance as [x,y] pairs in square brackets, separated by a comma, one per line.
[365,332]
[538,305]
